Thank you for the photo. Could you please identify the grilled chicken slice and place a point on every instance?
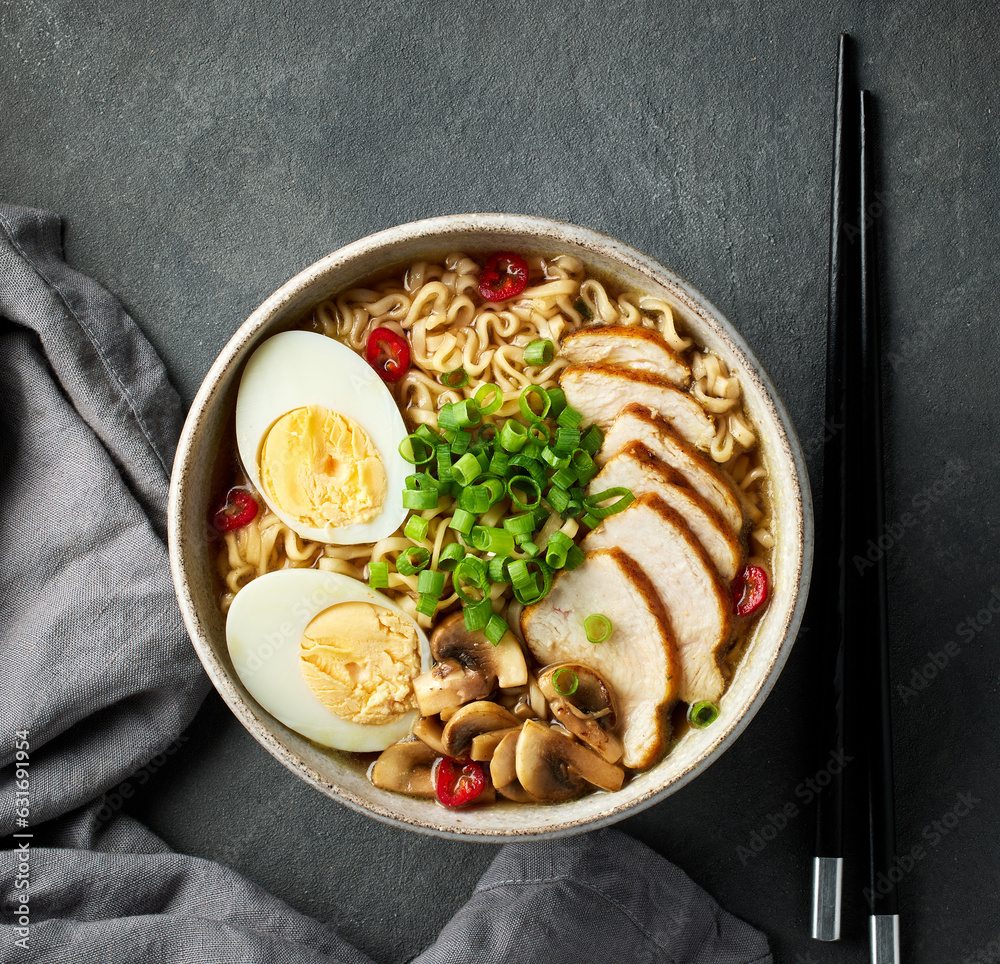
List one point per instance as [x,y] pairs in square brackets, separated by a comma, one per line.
[637,469]
[600,392]
[687,583]
[627,345]
[638,423]
[639,660]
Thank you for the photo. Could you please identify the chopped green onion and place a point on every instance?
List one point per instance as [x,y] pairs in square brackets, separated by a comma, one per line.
[431,583]
[592,439]
[416,528]
[466,413]
[428,434]
[378,575]
[498,541]
[492,392]
[526,463]
[529,548]
[513,435]
[566,441]
[495,629]
[444,462]
[574,558]
[557,402]
[496,487]
[427,604]
[451,555]
[581,306]
[462,521]
[528,486]
[623,496]
[520,525]
[456,378]
[471,573]
[584,466]
[553,460]
[702,714]
[530,585]
[412,559]
[460,443]
[474,499]
[564,478]
[558,498]
[419,501]
[556,549]
[497,569]
[416,450]
[448,419]
[466,469]
[597,627]
[539,353]
[591,521]
[477,615]
[570,681]
[499,463]
[569,418]
[540,433]
[525,403]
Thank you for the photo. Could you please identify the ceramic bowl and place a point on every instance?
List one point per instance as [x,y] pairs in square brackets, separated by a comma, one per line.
[337,775]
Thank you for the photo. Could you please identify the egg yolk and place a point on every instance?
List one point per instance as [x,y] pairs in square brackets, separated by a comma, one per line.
[359,660]
[322,468]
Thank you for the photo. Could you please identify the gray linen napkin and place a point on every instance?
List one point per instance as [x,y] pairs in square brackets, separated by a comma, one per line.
[98,677]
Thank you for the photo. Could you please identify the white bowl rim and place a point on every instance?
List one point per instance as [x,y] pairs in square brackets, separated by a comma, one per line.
[448,227]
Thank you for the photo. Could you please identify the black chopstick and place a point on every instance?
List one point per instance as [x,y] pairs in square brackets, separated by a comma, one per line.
[833,535]
[872,591]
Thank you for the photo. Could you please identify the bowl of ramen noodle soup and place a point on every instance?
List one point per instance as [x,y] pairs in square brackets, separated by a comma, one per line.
[490,526]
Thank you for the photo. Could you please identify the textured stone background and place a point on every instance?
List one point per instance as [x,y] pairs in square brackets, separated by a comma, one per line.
[201,154]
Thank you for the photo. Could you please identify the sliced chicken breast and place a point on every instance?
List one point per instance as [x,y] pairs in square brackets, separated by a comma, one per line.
[639,660]
[600,392]
[654,535]
[637,423]
[627,345]
[636,468]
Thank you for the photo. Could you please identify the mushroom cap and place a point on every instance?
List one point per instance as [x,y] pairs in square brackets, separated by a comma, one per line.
[541,764]
[503,663]
[470,721]
[589,711]
[553,766]
[406,767]
[447,685]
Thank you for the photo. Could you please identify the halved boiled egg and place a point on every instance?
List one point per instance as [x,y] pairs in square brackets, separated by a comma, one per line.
[328,657]
[319,433]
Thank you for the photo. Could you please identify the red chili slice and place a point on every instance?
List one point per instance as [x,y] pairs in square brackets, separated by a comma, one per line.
[388,353]
[459,781]
[749,590]
[239,509]
[504,276]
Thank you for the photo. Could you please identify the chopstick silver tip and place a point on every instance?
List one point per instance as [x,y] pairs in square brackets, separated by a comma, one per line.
[885,938]
[828,875]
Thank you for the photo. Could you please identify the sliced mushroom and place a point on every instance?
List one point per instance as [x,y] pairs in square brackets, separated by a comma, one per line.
[581,699]
[448,684]
[503,771]
[406,767]
[469,667]
[428,729]
[536,700]
[484,746]
[469,722]
[552,766]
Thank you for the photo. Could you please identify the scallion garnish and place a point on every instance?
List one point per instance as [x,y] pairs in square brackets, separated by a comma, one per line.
[525,404]
[624,500]
[412,559]
[598,627]
[498,541]
[491,392]
[427,604]
[702,714]
[565,681]
[477,615]
[539,353]
[416,450]
[451,555]
[416,528]
[378,575]
[495,629]
[431,583]
[456,378]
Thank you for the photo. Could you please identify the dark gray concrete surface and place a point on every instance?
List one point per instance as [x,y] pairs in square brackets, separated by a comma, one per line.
[201,154]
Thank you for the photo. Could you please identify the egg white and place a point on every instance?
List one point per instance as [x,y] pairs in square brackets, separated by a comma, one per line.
[264,634]
[299,368]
